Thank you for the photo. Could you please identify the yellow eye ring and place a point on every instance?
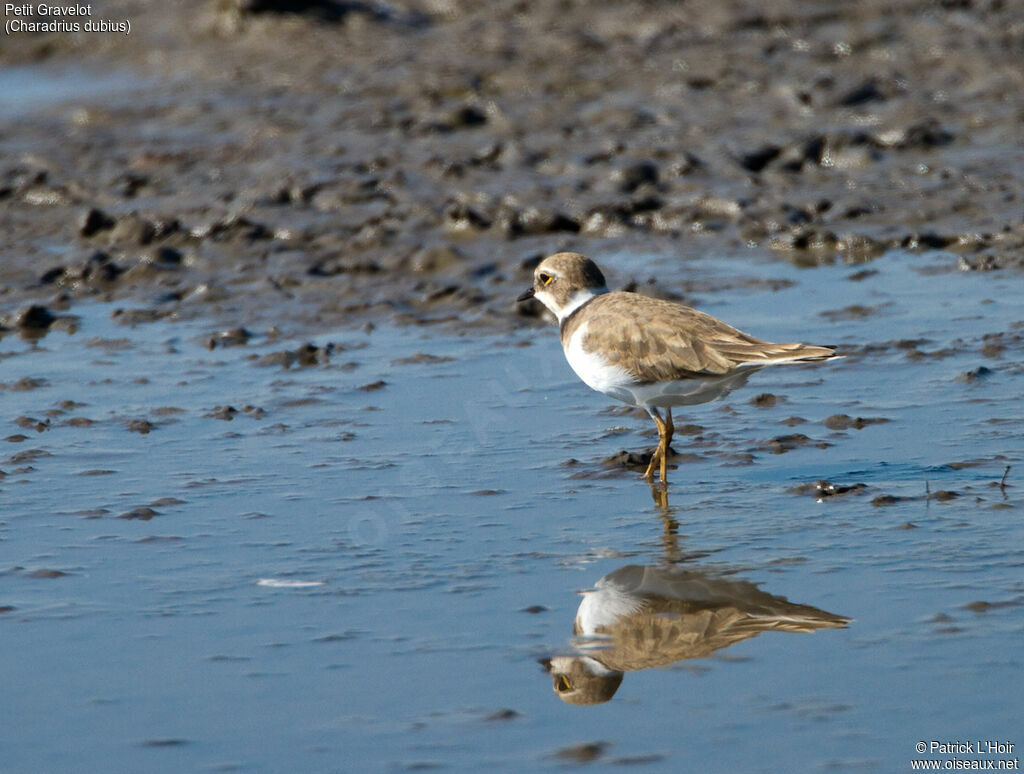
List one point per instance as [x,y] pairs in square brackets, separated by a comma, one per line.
[545,279]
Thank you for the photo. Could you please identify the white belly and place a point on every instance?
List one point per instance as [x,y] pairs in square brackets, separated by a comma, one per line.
[618,383]
[596,372]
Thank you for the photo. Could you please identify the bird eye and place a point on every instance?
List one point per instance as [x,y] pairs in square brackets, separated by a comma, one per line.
[545,279]
[563,684]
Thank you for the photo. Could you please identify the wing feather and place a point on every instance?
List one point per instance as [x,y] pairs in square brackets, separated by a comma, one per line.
[656,340]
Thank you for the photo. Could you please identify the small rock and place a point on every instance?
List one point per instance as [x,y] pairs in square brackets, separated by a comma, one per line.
[142,514]
[226,413]
[979,373]
[35,317]
[757,160]
[784,443]
[823,489]
[845,422]
[867,91]
[94,221]
[765,400]
[883,500]
[631,177]
[46,574]
[460,117]
[230,338]
[502,714]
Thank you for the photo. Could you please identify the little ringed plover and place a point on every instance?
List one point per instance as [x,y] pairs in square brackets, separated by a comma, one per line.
[648,352]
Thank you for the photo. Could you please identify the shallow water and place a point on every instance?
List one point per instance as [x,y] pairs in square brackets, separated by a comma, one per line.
[363,568]
[26,89]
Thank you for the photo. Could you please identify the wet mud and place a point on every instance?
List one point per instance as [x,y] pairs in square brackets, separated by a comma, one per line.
[316,164]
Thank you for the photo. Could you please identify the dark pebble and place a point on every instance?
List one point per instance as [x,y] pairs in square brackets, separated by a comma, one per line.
[765,400]
[757,160]
[132,317]
[306,355]
[46,574]
[35,317]
[230,338]
[30,423]
[631,177]
[27,456]
[227,413]
[883,500]
[784,443]
[142,514]
[867,91]
[502,714]
[586,752]
[94,221]
[979,373]
[823,489]
[845,422]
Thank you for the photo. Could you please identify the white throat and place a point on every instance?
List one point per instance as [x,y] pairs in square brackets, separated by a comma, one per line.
[576,300]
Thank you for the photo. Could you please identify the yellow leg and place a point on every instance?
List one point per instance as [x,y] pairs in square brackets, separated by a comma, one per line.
[659,453]
[670,430]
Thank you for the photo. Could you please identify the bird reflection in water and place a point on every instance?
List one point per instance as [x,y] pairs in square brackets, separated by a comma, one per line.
[640,617]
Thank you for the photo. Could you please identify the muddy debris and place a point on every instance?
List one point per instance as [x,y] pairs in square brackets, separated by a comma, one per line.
[34,317]
[143,513]
[31,423]
[975,375]
[785,443]
[234,337]
[133,317]
[27,456]
[884,500]
[93,221]
[421,358]
[226,413]
[306,356]
[46,573]
[981,606]
[845,422]
[826,489]
[584,752]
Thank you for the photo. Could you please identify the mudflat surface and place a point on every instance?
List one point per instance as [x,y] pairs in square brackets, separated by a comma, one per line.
[291,483]
[406,159]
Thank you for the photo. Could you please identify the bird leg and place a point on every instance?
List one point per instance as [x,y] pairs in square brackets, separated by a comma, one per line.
[670,430]
[659,453]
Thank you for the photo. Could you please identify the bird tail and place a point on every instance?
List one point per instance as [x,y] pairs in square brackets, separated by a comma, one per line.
[794,352]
